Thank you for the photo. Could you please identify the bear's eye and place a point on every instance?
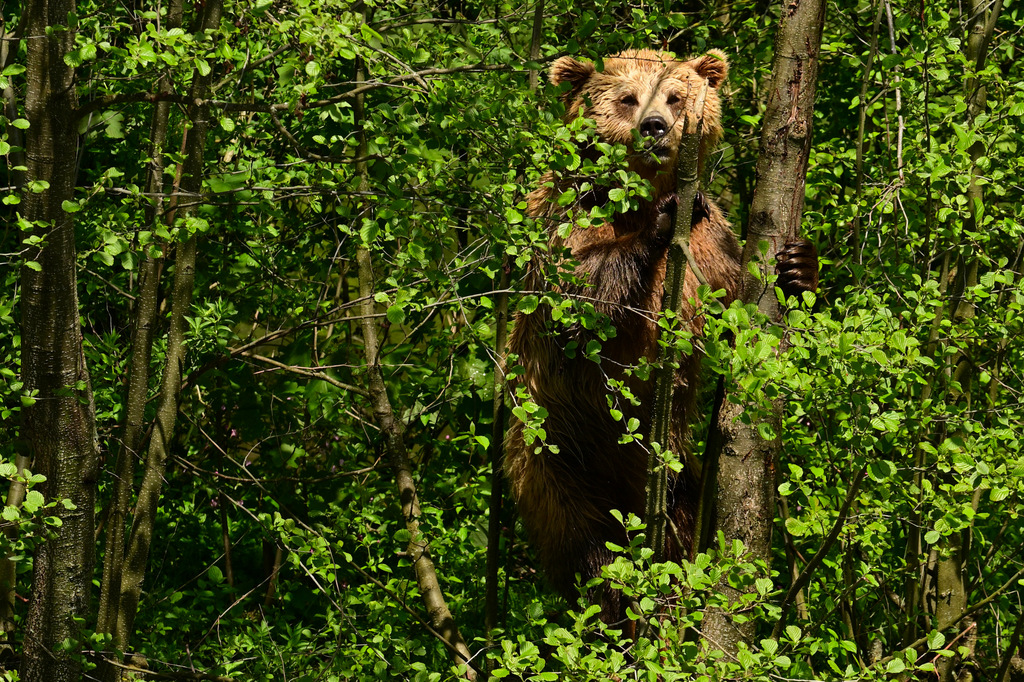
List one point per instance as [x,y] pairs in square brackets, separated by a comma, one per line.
[672,100]
[629,101]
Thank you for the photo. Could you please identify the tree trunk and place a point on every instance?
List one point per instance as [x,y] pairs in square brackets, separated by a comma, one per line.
[656,512]
[418,549]
[8,569]
[60,425]
[745,498]
[137,389]
[950,596]
[496,452]
[141,537]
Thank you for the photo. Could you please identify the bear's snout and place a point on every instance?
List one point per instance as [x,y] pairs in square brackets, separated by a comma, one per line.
[654,126]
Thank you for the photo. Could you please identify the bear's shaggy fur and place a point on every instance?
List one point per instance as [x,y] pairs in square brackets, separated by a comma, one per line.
[565,491]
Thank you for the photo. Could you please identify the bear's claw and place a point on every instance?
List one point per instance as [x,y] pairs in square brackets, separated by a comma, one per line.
[797,267]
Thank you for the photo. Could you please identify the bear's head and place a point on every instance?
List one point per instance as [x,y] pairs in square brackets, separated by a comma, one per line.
[649,92]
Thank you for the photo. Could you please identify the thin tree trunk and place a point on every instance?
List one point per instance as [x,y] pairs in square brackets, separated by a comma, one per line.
[8,569]
[538,32]
[746,497]
[60,426]
[275,568]
[225,535]
[496,452]
[15,137]
[951,579]
[138,373]
[137,556]
[418,549]
[656,513]
[1015,642]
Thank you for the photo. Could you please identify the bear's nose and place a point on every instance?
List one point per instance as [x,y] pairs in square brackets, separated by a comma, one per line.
[653,126]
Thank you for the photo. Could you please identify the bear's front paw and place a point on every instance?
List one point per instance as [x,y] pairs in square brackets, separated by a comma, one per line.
[666,208]
[797,267]
[665,218]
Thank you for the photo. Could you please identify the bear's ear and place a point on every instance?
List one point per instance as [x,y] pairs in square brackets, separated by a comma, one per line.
[713,66]
[570,70]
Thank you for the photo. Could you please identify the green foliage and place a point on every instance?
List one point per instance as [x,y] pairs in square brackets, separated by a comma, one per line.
[669,603]
[25,524]
[280,546]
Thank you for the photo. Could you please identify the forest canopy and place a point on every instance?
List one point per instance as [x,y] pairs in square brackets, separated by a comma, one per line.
[260,258]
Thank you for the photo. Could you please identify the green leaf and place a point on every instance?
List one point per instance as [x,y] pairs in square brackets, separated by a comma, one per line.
[963,138]
[528,304]
[369,231]
[370,35]
[196,225]
[567,197]
[796,527]
[33,501]
[881,470]
[888,422]
[936,640]
[216,575]
[395,314]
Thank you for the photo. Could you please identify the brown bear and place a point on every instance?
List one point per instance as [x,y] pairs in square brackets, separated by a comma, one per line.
[565,487]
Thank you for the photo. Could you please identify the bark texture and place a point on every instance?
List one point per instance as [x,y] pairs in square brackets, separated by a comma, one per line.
[141,537]
[418,549]
[687,180]
[745,497]
[137,389]
[60,426]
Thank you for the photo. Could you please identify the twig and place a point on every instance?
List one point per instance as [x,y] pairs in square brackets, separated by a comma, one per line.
[224,105]
[1015,642]
[307,373]
[154,675]
[819,556]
